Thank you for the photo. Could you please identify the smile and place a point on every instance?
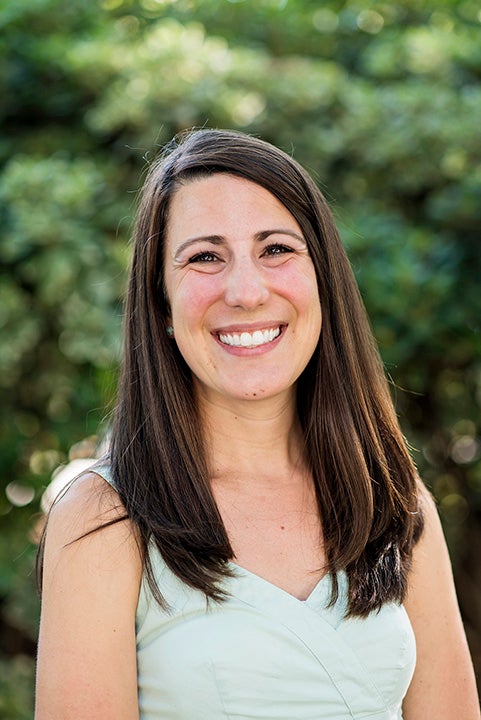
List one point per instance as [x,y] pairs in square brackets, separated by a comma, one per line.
[250,340]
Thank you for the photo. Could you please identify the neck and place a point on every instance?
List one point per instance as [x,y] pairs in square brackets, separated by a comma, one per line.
[257,440]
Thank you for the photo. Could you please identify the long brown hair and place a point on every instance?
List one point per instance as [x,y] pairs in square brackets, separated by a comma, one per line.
[365,480]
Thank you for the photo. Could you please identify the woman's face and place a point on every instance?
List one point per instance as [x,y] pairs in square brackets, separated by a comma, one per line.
[242,289]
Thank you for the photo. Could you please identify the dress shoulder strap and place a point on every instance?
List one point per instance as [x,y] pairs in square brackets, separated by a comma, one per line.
[102,468]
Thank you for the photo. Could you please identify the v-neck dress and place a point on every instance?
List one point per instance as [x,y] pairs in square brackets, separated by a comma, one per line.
[262,654]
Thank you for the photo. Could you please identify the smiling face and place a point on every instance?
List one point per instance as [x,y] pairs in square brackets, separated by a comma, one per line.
[242,289]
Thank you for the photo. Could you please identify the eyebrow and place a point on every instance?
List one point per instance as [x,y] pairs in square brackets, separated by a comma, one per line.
[220,240]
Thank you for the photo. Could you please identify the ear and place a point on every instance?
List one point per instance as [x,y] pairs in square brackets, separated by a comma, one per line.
[166,309]
[168,322]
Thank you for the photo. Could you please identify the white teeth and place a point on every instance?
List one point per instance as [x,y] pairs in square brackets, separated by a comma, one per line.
[249,340]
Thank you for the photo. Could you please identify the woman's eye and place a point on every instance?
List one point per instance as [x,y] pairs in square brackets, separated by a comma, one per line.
[203,257]
[276,249]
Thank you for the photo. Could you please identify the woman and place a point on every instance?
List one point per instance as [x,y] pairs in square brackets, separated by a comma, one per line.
[258,548]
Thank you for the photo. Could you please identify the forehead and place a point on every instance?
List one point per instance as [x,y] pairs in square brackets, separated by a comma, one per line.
[223,201]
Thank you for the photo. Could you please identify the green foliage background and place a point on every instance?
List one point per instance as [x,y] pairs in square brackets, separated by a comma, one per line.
[380,100]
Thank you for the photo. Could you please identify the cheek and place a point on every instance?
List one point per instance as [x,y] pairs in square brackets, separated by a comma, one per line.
[300,287]
[190,300]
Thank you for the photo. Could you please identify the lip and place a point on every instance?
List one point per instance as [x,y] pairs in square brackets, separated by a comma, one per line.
[250,328]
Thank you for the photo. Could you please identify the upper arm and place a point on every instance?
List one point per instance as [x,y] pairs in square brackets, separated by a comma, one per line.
[443,685]
[87,649]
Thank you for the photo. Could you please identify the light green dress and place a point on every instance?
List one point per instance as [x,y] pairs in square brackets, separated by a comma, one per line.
[262,654]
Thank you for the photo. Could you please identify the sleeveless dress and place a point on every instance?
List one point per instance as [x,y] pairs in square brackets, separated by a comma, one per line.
[262,654]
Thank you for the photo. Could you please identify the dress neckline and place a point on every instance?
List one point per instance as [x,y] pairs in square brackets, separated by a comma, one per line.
[324,583]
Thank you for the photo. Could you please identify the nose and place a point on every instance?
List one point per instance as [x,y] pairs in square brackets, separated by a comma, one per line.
[246,286]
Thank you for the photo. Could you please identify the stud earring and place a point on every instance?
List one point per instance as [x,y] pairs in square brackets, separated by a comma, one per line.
[170,331]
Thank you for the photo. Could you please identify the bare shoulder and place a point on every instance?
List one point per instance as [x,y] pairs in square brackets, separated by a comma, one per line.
[443,685]
[430,555]
[89,535]
[89,502]
[431,566]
